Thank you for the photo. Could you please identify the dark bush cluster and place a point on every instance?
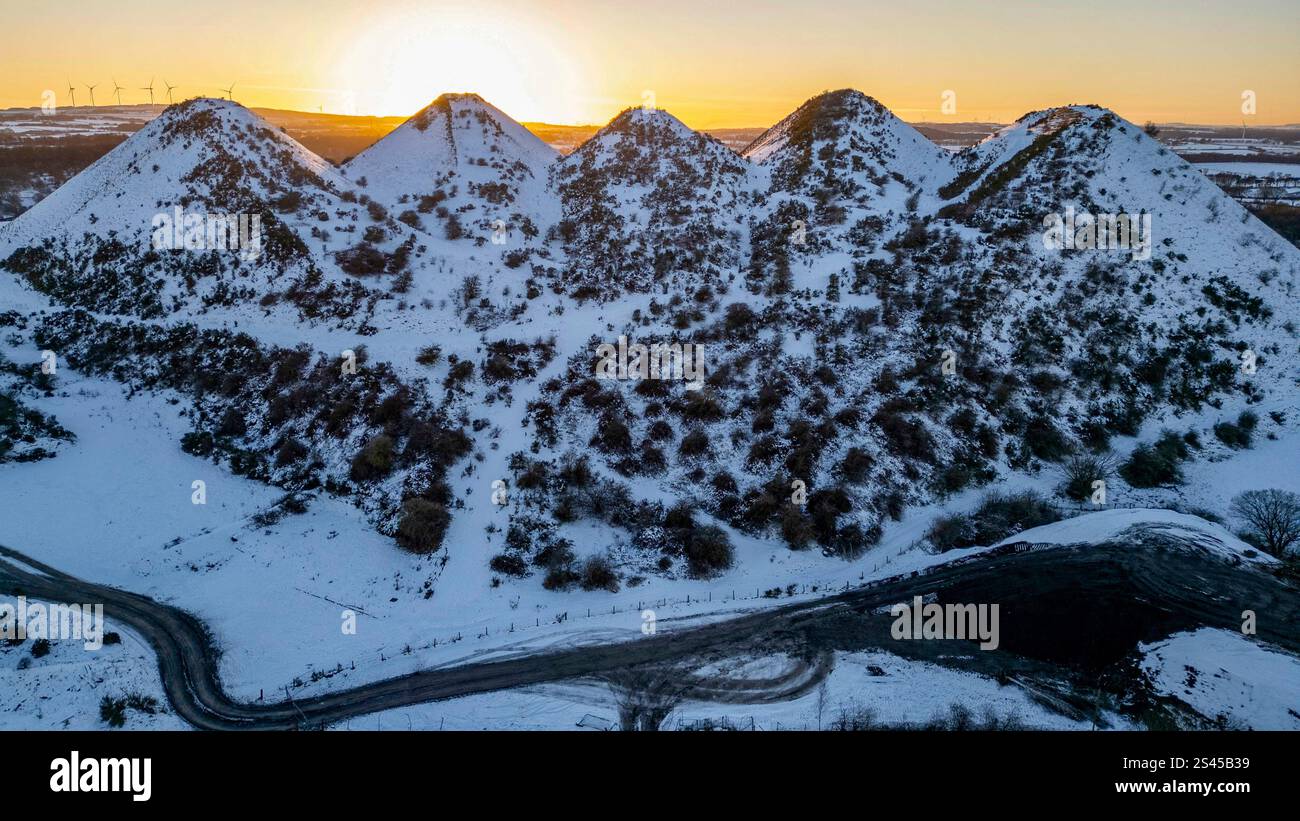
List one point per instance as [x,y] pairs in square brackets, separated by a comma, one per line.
[1156,465]
[1237,435]
[422,525]
[998,516]
[299,402]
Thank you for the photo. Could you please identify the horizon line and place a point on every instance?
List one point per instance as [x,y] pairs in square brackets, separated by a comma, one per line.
[404,117]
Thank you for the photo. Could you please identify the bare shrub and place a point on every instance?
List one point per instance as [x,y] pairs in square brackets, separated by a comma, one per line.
[598,574]
[1079,472]
[422,525]
[708,551]
[646,697]
[374,460]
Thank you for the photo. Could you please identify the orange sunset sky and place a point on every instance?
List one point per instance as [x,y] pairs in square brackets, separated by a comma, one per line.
[713,64]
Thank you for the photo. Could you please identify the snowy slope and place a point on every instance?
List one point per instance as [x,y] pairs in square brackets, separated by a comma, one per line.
[843,177]
[1165,325]
[110,239]
[215,151]
[647,202]
[848,139]
[465,158]
[1230,680]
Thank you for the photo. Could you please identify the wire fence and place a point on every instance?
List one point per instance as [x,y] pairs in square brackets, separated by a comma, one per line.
[637,609]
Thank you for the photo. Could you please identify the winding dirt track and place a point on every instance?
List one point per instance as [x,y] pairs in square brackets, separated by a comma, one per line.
[1184,586]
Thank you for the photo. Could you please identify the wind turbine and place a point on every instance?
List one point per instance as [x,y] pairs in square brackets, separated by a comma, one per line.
[72,92]
[230,92]
[149,88]
[117,89]
[169,90]
[92,92]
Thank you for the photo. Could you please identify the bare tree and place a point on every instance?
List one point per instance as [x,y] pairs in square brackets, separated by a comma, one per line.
[645,696]
[822,694]
[1273,515]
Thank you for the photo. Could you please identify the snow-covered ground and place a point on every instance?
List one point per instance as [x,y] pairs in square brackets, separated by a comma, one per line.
[891,689]
[1236,146]
[1110,525]
[1228,678]
[83,120]
[275,596]
[1252,169]
[62,690]
[115,507]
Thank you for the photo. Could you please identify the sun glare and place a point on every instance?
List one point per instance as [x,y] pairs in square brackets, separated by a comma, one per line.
[406,60]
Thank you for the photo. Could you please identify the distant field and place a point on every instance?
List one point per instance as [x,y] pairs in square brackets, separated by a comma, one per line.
[333,136]
[563,138]
[39,152]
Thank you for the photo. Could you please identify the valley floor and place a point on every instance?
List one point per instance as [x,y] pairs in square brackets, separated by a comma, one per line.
[115,507]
